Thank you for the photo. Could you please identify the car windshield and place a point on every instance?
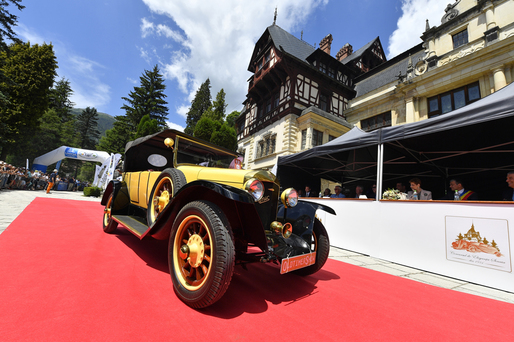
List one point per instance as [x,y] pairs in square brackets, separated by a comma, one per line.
[194,153]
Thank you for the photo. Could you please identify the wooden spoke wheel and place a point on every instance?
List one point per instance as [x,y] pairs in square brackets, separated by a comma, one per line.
[320,244]
[166,186]
[201,254]
[109,225]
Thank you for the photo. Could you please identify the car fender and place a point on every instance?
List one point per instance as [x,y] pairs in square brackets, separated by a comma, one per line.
[113,186]
[237,204]
[302,216]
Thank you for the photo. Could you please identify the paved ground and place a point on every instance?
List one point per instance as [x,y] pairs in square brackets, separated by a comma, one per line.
[12,203]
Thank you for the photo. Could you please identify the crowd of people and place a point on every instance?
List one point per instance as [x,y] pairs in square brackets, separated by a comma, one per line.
[457,191]
[20,178]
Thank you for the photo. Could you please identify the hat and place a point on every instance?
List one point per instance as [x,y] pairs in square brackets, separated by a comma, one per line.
[55,170]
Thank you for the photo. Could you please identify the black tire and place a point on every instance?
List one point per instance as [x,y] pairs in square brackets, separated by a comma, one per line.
[109,225]
[201,254]
[319,243]
[165,188]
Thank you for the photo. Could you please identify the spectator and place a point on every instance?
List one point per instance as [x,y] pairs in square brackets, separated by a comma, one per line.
[327,193]
[359,191]
[308,192]
[338,194]
[508,194]
[401,187]
[415,185]
[464,195]
[373,192]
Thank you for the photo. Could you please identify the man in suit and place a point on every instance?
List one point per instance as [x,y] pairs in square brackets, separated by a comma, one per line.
[465,195]
[508,194]
[415,185]
[308,192]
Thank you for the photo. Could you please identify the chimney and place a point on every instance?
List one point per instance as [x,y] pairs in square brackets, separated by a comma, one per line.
[326,43]
[345,51]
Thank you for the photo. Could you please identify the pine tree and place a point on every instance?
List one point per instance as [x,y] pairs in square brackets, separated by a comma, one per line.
[217,110]
[60,99]
[87,128]
[147,99]
[199,105]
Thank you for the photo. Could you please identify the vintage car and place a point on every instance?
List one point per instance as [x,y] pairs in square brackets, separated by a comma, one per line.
[213,213]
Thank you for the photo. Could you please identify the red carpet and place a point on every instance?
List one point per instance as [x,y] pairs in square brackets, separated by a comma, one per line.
[63,279]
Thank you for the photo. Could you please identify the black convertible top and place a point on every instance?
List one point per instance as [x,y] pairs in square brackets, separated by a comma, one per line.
[138,151]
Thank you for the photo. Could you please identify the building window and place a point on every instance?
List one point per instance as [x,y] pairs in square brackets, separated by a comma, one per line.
[260,113]
[452,100]
[266,146]
[277,100]
[323,68]
[317,138]
[304,139]
[268,106]
[323,102]
[331,73]
[460,38]
[331,137]
[375,122]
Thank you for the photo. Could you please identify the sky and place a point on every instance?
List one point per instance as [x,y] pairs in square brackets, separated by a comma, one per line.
[103,47]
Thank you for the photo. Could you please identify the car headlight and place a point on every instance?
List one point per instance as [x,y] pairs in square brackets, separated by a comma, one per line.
[289,198]
[255,188]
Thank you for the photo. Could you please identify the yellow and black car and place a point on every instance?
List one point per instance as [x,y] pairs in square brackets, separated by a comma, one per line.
[213,213]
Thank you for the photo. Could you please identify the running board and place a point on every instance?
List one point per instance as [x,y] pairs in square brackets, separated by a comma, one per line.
[136,225]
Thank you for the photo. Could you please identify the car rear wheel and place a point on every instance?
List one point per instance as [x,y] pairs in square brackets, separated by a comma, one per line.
[166,186]
[321,245]
[109,225]
[201,254]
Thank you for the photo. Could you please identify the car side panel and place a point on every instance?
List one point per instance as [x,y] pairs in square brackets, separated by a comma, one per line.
[140,185]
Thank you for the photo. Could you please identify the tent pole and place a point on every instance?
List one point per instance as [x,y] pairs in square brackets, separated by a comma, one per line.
[380,166]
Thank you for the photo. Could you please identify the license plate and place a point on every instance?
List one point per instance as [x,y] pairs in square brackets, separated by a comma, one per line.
[297,262]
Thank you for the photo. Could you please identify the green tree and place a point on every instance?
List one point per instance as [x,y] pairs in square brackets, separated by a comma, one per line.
[147,126]
[217,110]
[225,137]
[87,128]
[7,22]
[200,103]
[32,70]
[147,99]
[205,127]
[231,118]
[117,137]
[60,99]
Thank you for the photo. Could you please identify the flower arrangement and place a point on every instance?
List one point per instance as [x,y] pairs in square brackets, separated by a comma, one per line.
[393,194]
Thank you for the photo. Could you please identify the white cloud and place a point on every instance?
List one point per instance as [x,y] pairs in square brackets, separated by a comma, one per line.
[175,126]
[148,28]
[411,24]
[218,39]
[182,110]
[84,74]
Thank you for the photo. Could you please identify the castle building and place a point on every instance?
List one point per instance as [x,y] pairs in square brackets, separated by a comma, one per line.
[300,97]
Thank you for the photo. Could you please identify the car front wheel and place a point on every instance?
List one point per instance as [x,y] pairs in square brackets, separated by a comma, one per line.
[201,254]
[109,225]
[321,245]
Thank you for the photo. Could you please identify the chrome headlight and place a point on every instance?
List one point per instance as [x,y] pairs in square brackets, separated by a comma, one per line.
[255,188]
[289,198]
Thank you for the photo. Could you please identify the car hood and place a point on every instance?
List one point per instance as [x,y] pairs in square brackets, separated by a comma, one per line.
[232,177]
